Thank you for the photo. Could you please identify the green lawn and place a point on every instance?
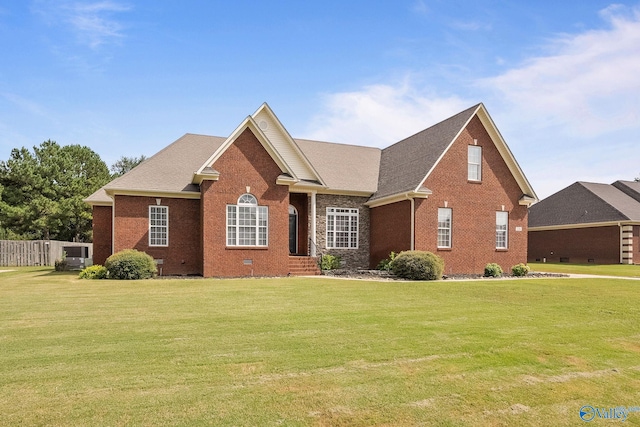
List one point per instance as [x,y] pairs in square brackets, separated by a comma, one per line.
[315,351]
[597,269]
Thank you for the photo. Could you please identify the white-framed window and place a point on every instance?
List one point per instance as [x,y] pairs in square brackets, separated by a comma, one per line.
[158,225]
[247,223]
[502,227]
[342,228]
[444,227]
[474,156]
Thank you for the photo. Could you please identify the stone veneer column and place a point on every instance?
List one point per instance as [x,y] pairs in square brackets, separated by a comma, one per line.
[626,244]
[351,258]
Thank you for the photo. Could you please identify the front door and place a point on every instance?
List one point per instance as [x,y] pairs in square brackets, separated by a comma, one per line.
[293,230]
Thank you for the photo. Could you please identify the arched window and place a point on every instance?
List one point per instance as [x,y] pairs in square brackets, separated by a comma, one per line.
[247,223]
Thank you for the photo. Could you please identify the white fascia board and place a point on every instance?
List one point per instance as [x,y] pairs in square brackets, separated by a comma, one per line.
[248,123]
[585,225]
[506,153]
[98,203]
[394,198]
[152,193]
[463,127]
[266,108]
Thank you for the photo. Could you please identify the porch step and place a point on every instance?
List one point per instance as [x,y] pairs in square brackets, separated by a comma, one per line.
[303,266]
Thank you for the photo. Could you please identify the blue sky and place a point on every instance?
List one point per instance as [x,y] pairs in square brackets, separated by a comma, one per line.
[561,79]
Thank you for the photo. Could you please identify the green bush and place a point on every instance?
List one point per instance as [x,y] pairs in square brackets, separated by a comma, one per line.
[418,265]
[385,264]
[130,264]
[94,272]
[520,270]
[492,270]
[329,262]
[61,263]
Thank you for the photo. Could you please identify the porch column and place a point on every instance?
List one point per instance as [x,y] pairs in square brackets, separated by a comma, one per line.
[626,244]
[312,249]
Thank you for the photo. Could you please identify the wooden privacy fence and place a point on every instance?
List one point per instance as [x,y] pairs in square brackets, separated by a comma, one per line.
[29,253]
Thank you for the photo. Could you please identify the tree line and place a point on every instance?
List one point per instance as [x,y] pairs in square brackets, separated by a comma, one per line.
[42,191]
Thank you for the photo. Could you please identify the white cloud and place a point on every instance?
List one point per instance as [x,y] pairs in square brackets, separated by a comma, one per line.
[570,115]
[93,23]
[379,115]
[589,84]
[420,7]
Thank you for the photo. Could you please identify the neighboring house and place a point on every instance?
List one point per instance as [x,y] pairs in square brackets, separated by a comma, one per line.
[258,201]
[587,222]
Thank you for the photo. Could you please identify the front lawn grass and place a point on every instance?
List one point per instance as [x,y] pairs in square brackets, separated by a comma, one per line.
[315,351]
[620,270]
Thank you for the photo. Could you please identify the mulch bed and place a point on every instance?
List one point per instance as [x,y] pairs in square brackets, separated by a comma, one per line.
[386,275]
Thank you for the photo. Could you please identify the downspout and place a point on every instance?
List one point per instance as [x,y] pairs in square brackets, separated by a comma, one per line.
[621,243]
[413,220]
[113,225]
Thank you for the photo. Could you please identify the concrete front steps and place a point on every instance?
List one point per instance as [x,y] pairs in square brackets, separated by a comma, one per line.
[303,266]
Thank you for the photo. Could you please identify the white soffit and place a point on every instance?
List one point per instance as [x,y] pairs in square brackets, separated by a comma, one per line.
[284,144]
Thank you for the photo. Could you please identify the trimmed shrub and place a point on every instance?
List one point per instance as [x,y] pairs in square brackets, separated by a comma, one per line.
[329,262]
[520,270]
[94,272]
[385,264]
[492,270]
[130,264]
[418,265]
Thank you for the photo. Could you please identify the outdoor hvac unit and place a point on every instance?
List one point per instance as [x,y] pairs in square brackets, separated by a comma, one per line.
[77,256]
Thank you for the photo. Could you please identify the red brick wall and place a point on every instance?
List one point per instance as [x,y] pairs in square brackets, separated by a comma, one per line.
[578,245]
[183,255]
[474,206]
[101,234]
[390,230]
[245,163]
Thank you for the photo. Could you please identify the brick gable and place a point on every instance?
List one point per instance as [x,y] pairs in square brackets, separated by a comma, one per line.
[245,163]
[473,205]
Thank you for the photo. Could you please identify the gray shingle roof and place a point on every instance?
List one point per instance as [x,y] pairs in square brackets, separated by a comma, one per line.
[343,167]
[397,169]
[584,203]
[168,171]
[405,164]
[630,188]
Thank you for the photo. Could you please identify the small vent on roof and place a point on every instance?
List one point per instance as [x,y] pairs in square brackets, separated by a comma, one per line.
[264,125]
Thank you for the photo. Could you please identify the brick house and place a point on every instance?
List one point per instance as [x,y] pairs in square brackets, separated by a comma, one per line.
[262,203]
[587,222]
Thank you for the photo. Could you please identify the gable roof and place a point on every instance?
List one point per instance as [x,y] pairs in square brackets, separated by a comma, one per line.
[584,204]
[405,165]
[324,167]
[276,141]
[169,171]
[630,188]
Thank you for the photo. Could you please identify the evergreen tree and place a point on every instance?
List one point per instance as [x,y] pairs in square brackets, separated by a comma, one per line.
[43,191]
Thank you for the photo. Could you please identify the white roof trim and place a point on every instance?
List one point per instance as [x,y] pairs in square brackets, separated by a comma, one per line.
[502,147]
[585,225]
[154,193]
[446,150]
[423,193]
[267,109]
[248,123]
[506,153]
